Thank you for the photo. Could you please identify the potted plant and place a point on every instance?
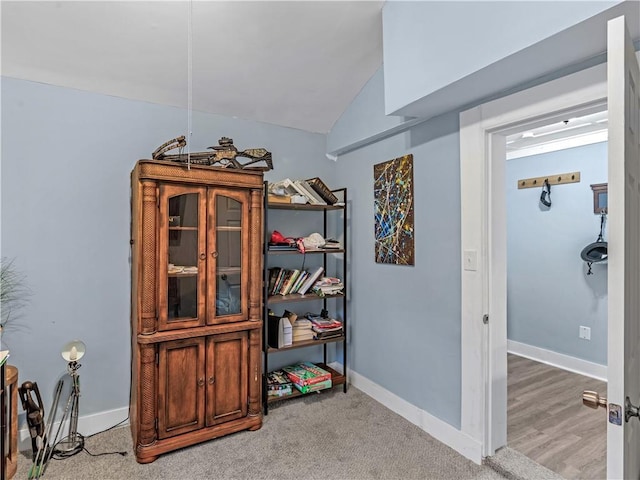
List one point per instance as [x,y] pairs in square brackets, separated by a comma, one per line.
[14,295]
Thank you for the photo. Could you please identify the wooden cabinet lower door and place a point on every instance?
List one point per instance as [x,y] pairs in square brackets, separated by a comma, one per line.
[183,400]
[181,392]
[227,377]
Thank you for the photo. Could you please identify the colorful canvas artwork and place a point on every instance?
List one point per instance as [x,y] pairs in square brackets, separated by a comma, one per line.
[393,209]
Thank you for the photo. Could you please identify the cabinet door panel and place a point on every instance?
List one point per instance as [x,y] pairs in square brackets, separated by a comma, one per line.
[228,279]
[182,257]
[181,396]
[227,377]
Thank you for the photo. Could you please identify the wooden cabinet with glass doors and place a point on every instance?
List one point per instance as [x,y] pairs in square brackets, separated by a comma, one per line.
[196,321]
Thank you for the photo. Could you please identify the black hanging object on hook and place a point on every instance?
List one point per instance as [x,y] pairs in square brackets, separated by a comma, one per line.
[545,196]
[597,251]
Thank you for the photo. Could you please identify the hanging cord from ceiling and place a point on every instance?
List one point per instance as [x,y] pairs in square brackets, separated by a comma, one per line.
[545,196]
[189,80]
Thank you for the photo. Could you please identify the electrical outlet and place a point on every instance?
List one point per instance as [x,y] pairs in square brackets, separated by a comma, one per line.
[585,332]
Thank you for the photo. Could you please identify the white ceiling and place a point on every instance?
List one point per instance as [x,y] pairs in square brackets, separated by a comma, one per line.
[567,133]
[293,63]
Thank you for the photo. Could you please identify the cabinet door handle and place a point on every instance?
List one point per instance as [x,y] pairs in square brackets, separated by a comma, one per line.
[201,382]
[211,380]
[214,254]
[203,256]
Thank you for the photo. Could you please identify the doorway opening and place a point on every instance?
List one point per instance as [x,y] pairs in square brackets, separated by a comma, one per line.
[556,305]
[483,132]
[483,150]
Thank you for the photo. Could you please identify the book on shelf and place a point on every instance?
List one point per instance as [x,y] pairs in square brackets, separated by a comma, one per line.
[328,286]
[302,336]
[290,279]
[289,187]
[273,275]
[306,373]
[280,332]
[278,384]
[302,330]
[314,387]
[277,247]
[279,274]
[322,323]
[299,328]
[273,198]
[326,335]
[311,194]
[321,188]
[311,279]
[301,278]
[324,291]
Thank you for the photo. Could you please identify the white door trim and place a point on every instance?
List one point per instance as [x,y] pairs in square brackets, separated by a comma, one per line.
[482,165]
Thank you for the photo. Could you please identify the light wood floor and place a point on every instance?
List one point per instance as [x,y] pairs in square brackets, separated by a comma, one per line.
[547,422]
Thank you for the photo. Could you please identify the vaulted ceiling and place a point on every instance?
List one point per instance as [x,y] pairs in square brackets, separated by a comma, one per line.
[297,64]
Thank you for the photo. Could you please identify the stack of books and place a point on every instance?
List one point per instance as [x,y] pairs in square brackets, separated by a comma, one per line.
[308,377]
[302,330]
[328,286]
[293,188]
[325,328]
[278,384]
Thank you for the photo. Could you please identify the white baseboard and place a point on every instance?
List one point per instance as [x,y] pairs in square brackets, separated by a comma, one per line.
[555,359]
[87,425]
[435,427]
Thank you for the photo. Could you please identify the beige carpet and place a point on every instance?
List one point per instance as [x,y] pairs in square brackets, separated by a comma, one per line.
[321,436]
[515,466]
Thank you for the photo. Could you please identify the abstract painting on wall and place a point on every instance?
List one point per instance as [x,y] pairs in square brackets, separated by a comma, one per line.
[393,209]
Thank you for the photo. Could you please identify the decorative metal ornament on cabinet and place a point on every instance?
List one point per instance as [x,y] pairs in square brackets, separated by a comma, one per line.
[557,179]
[223,155]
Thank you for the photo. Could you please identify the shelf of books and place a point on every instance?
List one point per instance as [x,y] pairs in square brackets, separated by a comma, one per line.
[306,343]
[294,251]
[289,383]
[291,278]
[296,206]
[296,297]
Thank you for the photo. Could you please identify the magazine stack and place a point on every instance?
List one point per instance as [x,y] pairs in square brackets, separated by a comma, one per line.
[324,327]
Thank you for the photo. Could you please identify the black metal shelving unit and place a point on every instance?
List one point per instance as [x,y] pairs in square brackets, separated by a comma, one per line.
[337,378]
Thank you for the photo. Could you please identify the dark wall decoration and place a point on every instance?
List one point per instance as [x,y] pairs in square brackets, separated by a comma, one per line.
[393,209]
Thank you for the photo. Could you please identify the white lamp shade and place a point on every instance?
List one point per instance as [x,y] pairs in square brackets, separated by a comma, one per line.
[73,351]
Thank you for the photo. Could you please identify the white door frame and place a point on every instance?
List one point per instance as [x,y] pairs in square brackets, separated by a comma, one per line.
[484,277]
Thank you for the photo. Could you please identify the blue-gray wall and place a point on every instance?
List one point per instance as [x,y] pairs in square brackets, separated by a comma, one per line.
[66,162]
[429,46]
[405,320]
[550,294]
[364,120]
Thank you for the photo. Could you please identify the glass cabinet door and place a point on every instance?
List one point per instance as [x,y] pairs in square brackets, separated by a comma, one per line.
[182,257]
[228,264]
